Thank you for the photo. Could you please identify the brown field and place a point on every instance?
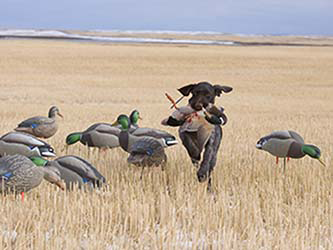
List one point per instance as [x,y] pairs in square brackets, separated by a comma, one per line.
[254,204]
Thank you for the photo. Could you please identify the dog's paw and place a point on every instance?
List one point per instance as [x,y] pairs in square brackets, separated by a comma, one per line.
[202,176]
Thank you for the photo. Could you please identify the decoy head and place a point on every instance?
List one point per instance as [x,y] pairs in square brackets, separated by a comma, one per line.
[39,161]
[73,138]
[261,143]
[124,121]
[54,111]
[53,176]
[135,117]
[312,151]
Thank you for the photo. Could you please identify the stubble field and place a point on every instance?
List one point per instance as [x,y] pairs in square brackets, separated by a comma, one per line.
[253,205]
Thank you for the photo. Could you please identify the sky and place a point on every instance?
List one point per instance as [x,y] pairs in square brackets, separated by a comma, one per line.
[303,17]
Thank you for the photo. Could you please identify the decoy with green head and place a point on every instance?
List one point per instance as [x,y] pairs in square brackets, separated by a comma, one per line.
[41,126]
[102,135]
[73,171]
[24,144]
[288,143]
[143,150]
[18,175]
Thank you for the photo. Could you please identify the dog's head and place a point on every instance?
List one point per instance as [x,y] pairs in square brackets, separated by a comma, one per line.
[203,93]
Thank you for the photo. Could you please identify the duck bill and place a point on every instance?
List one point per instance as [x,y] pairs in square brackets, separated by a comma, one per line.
[140,118]
[60,115]
[115,123]
[321,162]
[60,184]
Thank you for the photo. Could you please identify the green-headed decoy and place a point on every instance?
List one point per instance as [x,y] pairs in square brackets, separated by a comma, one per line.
[19,174]
[24,144]
[102,135]
[73,170]
[287,143]
[41,126]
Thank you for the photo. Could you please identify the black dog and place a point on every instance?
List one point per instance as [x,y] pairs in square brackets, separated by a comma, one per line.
[203,96]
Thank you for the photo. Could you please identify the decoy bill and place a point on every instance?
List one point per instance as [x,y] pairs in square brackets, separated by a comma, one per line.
[288,143]
[73,170]
[41,126]
[24,144]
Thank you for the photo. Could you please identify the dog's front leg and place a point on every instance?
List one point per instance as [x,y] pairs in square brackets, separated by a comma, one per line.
[210,154]
[190,142]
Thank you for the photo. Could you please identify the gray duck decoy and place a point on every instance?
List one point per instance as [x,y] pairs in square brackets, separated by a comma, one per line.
[143,150]
[102,135]
[288,143]
[19,174]
[24,144]
[166,139]
[73,170]
[41,126]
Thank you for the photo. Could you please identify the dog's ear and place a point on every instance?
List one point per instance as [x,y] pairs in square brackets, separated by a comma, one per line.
[218,89]
[186,90]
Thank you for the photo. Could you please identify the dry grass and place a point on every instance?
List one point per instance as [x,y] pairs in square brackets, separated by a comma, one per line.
[254,204]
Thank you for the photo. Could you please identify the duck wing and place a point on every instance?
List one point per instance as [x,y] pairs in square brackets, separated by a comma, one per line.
[151,132]
[35,121]
[104,128]
[9,164]
[81,167]
[296,137]
[23,138]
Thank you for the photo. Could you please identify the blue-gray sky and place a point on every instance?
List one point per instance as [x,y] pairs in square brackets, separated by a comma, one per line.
[303,17]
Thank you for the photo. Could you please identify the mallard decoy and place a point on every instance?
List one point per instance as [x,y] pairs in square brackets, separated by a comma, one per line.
[102,135]
[166,139]
[73,170]
[24,144]
[18,174]
[287,143]
[41,126]
[144,150]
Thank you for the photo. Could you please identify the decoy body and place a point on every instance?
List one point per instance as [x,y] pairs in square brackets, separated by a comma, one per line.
[24,144]
[73,170]
[166,139]
[144,150]
[19,174]
[102,135]
[287,143]
[41,126]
